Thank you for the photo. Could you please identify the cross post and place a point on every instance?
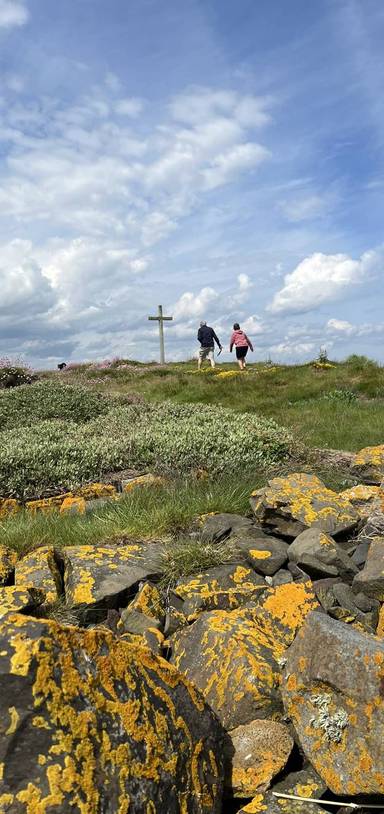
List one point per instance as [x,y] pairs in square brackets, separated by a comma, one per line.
[161,319]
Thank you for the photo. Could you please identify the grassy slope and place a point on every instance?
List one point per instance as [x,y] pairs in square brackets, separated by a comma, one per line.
[293,395]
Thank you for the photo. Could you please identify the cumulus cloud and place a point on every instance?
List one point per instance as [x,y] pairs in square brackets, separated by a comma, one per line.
[13,13]
[322,278]
[341,326]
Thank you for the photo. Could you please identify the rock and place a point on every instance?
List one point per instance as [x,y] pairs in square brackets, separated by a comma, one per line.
[265,554]
[148,600]
[92,724]
[363,498]
[380,623]
[132,621]
[291,504]
[315,569]
[313,543]
[298,574]
[224,587]
[99,575]
[9,507]
[130,484]
[217,527]
[20,600]
[372,529]
[282,577]
[150,637]
[370,580]
[360,553]
[255,753]
[368,464]
[41,568]
[366,603]
[323,589]
[305,783]
[73,505]
[333,691]
[174,615]
[233,656]
[8,560]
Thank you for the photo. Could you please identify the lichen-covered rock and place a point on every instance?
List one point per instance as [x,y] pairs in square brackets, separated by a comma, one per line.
[291,504]
[130,484]
[41,569]
[370,580]
[333,693]
[9,507]
[233,656]
[133,621]
[217,527]
[92,725]
[8,560]
[266,554]
[255,753]
[368,464]
[73,505]
[151,637]
[305,783]
[224,587]
[46,505]
[363,498]
[17,600]
[313,543]
[149,601]
[99,574]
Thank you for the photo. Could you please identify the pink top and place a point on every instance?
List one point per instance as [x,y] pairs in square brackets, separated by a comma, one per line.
[240,340]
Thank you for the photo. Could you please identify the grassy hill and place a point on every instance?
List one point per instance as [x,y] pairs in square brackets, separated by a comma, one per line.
[71,427]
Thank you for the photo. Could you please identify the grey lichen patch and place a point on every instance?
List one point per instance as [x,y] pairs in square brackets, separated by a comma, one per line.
[331,723]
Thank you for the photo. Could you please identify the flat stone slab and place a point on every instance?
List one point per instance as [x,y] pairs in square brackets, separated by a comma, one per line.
[225,587]
[98,574]
[40,569]
[368,464]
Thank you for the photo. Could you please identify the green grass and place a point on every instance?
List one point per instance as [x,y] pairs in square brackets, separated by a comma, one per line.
[293,395]
[156,512]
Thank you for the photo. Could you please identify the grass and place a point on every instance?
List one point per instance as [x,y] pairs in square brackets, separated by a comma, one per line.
[185,556]
[295,396]
[158,512]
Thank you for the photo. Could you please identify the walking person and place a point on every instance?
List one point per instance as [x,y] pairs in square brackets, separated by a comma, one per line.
[207,338]
[241,342]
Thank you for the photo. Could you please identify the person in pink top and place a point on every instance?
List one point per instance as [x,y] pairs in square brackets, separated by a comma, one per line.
[241,342]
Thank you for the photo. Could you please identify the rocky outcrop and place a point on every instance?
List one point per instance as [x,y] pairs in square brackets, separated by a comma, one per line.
[313,548]
[291,504]
[333,693]
[94,725]
[224,587]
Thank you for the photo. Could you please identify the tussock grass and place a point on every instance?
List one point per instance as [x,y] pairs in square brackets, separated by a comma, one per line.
[185,556]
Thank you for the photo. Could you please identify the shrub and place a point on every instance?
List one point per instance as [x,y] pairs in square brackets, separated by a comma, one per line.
[346,396]
[166,437]
[14,374]
[49,400]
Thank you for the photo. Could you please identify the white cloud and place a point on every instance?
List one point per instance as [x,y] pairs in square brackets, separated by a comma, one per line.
[322,278]
[13,13]
[304,208]
[245,282]
[340,326]
[292,350]
[129,107]
[194,305]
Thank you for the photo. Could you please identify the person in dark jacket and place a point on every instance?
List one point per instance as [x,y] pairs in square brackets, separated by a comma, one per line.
[207,338]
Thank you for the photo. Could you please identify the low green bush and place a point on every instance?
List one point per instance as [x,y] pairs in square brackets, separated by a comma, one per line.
[24,406]
[167,437]
[346,396]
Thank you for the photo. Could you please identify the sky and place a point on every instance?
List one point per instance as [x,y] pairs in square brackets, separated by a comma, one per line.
[223,159]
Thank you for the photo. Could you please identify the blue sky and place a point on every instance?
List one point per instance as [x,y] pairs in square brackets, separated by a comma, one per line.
[225,159]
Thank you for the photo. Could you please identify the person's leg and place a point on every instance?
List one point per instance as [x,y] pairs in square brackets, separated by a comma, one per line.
[211,357]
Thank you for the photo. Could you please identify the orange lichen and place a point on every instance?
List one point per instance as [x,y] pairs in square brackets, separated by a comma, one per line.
[143,480]
[73,505]
[9,507]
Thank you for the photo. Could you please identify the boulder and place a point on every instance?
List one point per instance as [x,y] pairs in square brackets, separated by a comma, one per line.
[233,657]
[305,783]
[92,724]
[217,527]
[363,498]
[99,575]
[291,504]
[313,544]
[370,580]
[264,553]
[255,753]
[20,600]
[333,693]
[174,614]
[368,464]
[133,621]
[282,577]
[224,587]
[41,568]
[149,601]
[8,560]
[323,589]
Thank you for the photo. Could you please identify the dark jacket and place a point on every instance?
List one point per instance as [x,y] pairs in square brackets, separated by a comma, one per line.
[207,337]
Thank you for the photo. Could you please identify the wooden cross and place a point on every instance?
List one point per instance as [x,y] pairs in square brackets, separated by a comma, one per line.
[161,319]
